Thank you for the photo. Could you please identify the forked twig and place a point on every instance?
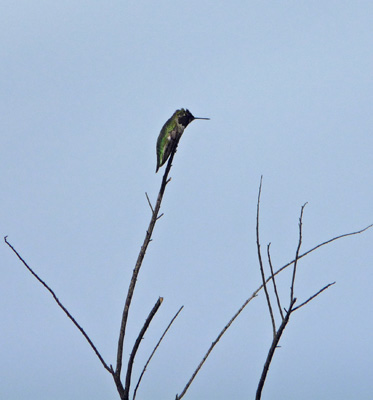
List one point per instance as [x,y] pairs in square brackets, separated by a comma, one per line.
[291,309]
[255,293]
[277,338]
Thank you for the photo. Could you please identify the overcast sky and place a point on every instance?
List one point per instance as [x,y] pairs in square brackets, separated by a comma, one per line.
[85,89]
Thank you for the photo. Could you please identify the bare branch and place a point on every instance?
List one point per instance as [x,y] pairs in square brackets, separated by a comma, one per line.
[136,270]
[315,295]
[274,281]
[137,344]
[154,350]
[272,350]
[178,397]
[60,305]
[297,253]
[261,262]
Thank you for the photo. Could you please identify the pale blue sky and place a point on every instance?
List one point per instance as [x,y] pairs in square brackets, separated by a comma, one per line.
[85,88]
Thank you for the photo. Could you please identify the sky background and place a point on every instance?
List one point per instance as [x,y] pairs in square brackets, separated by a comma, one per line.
[85,89]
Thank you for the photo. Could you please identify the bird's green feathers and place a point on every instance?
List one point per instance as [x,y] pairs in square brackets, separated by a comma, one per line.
[171,134]
[166,140]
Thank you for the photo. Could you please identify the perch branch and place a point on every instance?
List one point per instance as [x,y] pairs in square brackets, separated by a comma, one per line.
[136,270]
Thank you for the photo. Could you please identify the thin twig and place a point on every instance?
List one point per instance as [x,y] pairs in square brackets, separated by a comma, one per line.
[136,271]
[137,344]
[214,343]
[315,295]
[150,204]
[274,281]
[154,350]
[60,305]
[297,253]
[320,245]
[261,262]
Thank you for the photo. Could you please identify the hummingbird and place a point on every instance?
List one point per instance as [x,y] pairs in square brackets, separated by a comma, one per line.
[171,133]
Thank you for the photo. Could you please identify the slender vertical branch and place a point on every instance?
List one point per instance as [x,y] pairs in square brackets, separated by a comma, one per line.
[138,264]
[261,262]
[274,282]
[137,344]
[297,253]
[154,350]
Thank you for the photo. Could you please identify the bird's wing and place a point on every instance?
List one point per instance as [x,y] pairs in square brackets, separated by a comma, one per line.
[165,142]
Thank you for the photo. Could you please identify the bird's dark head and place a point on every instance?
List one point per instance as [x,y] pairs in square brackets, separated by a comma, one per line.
[185,117]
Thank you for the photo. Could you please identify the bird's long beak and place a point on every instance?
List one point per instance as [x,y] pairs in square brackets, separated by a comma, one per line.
[200,118]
